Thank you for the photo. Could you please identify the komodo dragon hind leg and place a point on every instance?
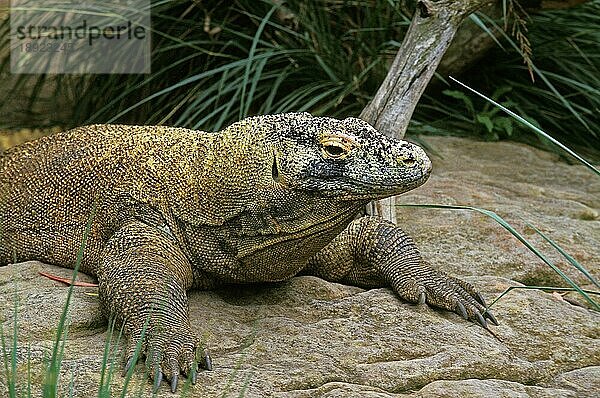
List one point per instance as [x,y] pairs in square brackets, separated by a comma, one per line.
[372,252]
[143,280]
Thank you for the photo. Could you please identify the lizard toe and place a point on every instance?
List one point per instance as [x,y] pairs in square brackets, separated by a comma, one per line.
[158,377]
[488,315]
[204,360]
[128,366]
[174,379]
[461,310]
[413,291]
[135,348]
[481,320]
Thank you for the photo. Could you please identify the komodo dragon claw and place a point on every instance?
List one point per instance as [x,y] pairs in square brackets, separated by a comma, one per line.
[174,383]
[481,320]
[422,298]
[206,360]
[172,356]
[128,366]
[158,377]
[488,315]
[480,298]
[462,311]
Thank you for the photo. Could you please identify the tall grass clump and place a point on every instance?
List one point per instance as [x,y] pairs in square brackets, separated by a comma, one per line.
[564,99]
[214,64]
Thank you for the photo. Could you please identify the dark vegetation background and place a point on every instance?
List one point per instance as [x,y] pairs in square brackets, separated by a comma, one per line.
[215,62]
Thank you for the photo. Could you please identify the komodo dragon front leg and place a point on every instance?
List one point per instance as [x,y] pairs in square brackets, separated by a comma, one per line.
[372,252]
[143,280]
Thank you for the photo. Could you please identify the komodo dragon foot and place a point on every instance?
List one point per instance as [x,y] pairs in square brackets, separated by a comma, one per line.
[181,350]
[438,289]
[372,252]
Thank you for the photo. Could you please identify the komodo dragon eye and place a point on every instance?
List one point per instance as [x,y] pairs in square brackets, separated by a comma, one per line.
[334,151]
[335,146]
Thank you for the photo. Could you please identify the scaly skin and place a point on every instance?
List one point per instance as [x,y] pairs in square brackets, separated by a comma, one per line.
[262,200]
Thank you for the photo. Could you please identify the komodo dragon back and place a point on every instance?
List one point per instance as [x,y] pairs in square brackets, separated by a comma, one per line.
[264,199]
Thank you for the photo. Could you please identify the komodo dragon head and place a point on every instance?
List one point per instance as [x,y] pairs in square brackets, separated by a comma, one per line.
[347,158]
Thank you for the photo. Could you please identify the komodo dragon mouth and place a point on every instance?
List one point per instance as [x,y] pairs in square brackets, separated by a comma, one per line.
[375,190]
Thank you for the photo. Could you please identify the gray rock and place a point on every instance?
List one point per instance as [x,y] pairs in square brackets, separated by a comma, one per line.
[585,381]
[488,388]
[310,338]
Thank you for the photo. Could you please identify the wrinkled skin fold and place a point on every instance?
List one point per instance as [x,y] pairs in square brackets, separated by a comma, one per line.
[263,200]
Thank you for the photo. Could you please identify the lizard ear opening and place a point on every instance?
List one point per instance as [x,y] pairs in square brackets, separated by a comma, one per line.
[275,170]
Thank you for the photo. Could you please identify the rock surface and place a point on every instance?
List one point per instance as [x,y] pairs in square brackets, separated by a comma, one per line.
[310,338]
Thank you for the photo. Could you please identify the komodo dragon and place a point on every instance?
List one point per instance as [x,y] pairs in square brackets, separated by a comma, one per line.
[263,200]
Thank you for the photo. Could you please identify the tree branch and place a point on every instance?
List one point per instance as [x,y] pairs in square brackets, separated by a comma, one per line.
[431,31]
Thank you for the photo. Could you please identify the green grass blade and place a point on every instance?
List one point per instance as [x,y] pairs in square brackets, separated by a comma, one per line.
[531,126]
[517,235]
[219,110]
[136,355]
[585,87]
[5,361]
[72,385]
[225,113]
[318,98]
[104,390]
[327,69]
[566,255]
[111,370]
[245,103]
[475,18]
[28,370]
[257,74]
[53,371]
[268,104]
[13,382]
[550,288]
[247,381]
